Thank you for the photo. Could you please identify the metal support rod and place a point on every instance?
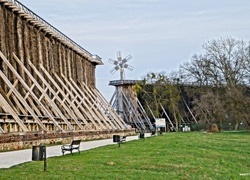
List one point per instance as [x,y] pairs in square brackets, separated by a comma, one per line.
[190,111]
[44,159]
[145,115]
[167,117]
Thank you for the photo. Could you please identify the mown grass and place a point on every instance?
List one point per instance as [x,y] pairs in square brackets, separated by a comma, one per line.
[192,155]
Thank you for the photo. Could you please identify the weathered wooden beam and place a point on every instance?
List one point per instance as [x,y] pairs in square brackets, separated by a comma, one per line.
[18,105]
[28,89]
[22,100]
[59,90]
[29,100]
[10,91]
[31,88]
[55,97]
[1,130]
[47,98]
[109,108]
[86,100]
[94,105]
[48,87]
[5,104]
[85,111]
[7,99]
[102,103]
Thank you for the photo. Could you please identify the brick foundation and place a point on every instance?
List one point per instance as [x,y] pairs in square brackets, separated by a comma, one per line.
[17,141]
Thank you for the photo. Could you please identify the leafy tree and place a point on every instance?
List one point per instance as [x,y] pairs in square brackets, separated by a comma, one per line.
[157,89]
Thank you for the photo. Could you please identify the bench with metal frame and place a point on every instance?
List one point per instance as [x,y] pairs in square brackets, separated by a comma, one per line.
[74,145]
[122,139]
[119,139]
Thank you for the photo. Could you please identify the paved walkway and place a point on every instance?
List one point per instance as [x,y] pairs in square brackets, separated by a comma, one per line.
[8,159]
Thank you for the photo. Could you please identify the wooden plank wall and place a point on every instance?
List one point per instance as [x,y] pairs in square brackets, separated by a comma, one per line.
[28,42]
[47,82]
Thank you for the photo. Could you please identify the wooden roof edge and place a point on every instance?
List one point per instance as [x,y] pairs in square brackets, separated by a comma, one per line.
[34,19]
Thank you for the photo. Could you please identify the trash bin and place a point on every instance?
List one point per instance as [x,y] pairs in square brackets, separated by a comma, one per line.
[38,153]
[153,133]
[141,136]
[116,138]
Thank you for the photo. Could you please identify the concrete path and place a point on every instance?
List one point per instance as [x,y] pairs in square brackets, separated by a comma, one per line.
[8,159]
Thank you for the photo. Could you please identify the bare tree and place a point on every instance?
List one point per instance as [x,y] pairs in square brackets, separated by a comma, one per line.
[237,105]
[224,67]
[209,108]
[227,60]
[224,62]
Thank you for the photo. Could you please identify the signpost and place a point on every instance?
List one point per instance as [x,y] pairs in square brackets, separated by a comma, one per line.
[160,123]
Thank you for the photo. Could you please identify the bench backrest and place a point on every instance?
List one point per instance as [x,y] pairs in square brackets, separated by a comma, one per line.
[75,142]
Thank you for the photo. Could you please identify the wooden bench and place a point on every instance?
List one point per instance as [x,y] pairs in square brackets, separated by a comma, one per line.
[123,139]
[74,145]
[119,139]
[153,133]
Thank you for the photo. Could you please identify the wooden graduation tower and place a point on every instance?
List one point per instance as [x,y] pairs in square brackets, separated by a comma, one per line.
[47,83]
[124,99]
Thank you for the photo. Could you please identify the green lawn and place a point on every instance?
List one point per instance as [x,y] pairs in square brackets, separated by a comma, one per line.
[192,155]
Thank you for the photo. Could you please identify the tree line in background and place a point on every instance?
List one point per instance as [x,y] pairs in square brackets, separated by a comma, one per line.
[214,88]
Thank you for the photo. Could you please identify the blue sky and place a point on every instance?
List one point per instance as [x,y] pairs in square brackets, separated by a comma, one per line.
[159,34]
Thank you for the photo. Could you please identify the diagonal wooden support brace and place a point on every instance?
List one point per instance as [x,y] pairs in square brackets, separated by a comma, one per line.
[48,87]
[52,104]
[28,89]
[5,104]
[22,100]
